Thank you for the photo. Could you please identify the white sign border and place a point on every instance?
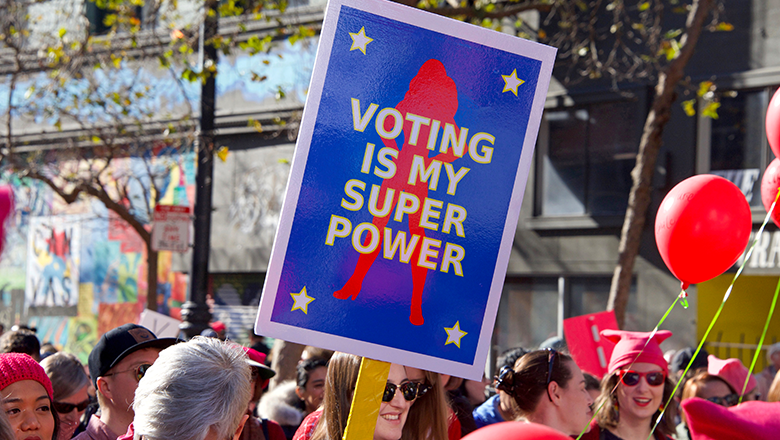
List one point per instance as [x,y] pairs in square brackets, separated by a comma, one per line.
[454,28]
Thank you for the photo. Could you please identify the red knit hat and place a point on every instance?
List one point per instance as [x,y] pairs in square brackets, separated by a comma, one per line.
[754,420]
[633,347]
[732,372]
[19,366]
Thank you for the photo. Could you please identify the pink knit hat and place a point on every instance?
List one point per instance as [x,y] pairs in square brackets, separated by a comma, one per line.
[732,372]
[754,420]
[19,366]
[631,348]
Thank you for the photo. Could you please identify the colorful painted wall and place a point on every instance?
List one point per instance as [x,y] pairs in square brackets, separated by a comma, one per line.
[76,271]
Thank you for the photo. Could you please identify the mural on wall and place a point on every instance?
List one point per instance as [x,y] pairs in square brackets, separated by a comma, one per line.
[107,272]
[54,245]
[76,271]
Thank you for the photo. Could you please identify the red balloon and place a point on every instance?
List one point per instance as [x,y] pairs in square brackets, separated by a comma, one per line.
[702,227]
[516,431]
[769,184]
[773,123]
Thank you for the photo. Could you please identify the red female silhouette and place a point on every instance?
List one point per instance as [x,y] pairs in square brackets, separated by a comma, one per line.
[432,94]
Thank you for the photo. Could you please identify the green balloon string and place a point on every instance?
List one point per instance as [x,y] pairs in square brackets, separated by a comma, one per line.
[720,309]
[761,341]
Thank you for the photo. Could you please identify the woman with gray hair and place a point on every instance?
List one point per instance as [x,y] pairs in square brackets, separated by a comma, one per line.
[70,384]
[198,390]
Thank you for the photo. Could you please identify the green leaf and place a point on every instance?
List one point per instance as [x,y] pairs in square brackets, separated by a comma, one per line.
[189,75]
[724,27]
[672,33]
[704,88]
[96,139]
[62,32]
[689,107]
[711,110]
[644,6]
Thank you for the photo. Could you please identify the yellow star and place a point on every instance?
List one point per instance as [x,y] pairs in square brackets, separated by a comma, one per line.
[360,40]
[454,334]
[302,301]
[511,82]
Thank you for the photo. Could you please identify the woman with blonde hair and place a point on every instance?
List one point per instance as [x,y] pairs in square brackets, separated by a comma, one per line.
[399,416]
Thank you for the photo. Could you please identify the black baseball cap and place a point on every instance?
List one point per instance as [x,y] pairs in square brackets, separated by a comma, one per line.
[118,343]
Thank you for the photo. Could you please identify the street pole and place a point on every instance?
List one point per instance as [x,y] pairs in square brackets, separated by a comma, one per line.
[195,312]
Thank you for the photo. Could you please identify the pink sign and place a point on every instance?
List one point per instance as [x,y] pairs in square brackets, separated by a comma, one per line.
[590,351]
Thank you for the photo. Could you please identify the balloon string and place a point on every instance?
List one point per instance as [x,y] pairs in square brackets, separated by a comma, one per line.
[720,308]
[760,341]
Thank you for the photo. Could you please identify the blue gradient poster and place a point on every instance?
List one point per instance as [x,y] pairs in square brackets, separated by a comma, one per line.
[405,189]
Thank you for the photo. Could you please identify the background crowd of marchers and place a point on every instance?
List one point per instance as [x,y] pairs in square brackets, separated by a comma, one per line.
[529,384]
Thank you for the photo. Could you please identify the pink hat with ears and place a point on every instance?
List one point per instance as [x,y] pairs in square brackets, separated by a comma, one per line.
[732,372]
[633,347]
[754,420]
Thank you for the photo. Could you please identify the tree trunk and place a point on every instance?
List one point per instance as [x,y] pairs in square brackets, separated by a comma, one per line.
[285,360]
[641,189]
[151,277]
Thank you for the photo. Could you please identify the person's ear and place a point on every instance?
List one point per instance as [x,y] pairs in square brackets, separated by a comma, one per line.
[299,392]
[104,386]
[554,390]
[240,427]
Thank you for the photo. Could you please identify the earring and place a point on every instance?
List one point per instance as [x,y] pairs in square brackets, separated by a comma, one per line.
[615,411]
[661,408]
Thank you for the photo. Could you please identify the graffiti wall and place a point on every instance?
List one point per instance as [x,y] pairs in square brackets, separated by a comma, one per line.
[53,256]
[76,271]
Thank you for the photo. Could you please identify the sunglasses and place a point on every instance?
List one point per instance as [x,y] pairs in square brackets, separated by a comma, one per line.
[631,378]
[66,408]
[410,390]
[550,363]
[140,371]
[728,400]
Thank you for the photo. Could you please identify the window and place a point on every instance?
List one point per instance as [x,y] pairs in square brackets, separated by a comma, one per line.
[97,16]
[527,312]
[586,154]
[736,141]
[530,308]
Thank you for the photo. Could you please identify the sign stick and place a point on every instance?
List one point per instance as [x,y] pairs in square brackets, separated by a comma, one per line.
[370,385]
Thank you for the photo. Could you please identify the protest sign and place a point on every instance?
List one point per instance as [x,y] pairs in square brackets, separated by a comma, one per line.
[405,188]
[588,348]
[163,326]
[171,228]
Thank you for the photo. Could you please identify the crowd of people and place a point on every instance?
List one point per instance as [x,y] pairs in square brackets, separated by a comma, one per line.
[137,386]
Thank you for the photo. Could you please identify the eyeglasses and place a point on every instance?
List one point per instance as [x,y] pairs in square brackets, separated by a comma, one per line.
[410,390]
[66,408]
[631,378]
[139,371]
[550,363]
[728,400]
